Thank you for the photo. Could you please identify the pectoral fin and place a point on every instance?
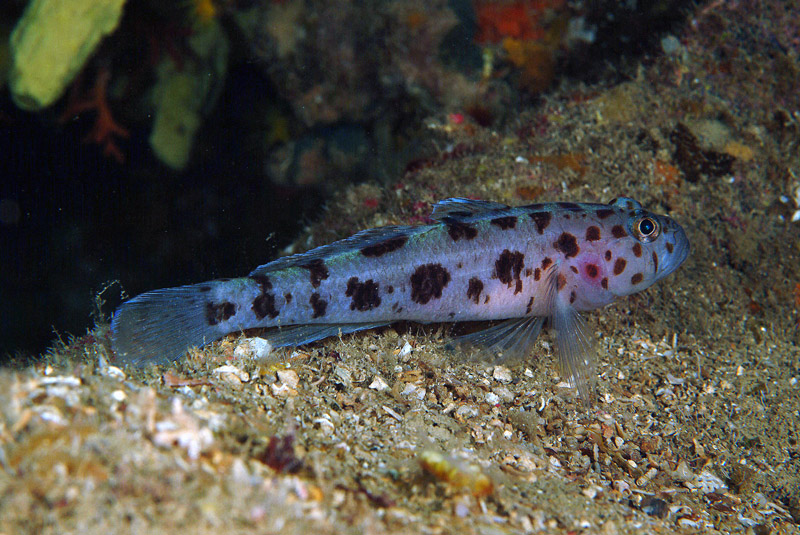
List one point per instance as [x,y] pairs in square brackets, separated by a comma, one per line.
[575,347]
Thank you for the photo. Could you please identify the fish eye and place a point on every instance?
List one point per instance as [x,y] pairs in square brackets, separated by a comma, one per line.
[646,229]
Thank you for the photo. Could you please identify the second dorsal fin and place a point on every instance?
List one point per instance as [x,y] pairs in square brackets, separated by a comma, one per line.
[458,208]
[381,239]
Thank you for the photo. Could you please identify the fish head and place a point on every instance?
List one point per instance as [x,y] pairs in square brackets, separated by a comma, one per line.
[655,246]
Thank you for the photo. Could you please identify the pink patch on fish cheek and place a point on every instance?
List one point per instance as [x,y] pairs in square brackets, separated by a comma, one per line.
[591,270]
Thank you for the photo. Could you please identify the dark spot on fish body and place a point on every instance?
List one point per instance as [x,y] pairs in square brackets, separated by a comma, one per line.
[592,270]
[505,223]
[546,263]
[542,220]
[529,307]
[528,272]
[573,269]
[567,216]
[263,281]
[604,283]
[603,213]
[619,266]
[390,289]
[427,282]
[618,232]
[567,244]
[637,278]
[384,247]
[508,267]
[264,303]
[318,305]
[537,274]
[562,281]
[593,233]
[205,288]
[216,313]
[655,261]
[486,299]
[365,294]
[458,230]
[287,297]
[669,247]
[571,206]
[608,255]
[474,290]
[317,271]
[572,297]
[637,250]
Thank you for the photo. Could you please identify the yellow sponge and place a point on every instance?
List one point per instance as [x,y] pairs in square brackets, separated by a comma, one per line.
[51,43]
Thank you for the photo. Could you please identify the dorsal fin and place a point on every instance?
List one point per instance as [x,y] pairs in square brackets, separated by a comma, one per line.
[445,210]
[459,208]
[393,237]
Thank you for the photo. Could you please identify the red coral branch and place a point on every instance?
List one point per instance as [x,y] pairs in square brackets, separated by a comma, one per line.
[105,129]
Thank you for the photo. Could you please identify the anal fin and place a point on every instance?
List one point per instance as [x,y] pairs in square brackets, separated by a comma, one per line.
[297,335]
[510,340]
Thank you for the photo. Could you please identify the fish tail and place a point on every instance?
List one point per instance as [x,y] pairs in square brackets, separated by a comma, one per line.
[159,326]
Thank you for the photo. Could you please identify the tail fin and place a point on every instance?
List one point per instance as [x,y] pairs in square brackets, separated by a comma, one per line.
[159,326]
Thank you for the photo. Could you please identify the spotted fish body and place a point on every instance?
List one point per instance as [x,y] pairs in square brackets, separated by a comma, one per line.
[479,261]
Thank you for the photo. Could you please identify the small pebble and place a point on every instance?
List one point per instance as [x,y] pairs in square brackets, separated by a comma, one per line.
[378,384]
[289,378]
[683,472]
[654,506]
[505,394]
[621,486]
[466,411]
[502,374]
[116,373]
[253,348]
[405,351]
[462,510]
[344,375]
[282,390]
[675,380]
[409,389]
[231,374]
[708,482]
